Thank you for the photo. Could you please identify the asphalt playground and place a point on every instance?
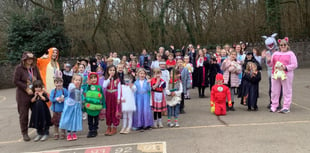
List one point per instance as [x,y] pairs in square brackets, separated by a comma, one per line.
[240,131]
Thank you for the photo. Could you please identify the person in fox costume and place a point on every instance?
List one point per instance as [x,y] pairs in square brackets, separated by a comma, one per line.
[48,65]
[219,93]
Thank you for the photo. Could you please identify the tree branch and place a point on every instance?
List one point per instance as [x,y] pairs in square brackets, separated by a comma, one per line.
[42,6]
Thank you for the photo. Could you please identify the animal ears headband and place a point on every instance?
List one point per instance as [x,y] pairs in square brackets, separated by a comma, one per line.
[273,35]
[285,38]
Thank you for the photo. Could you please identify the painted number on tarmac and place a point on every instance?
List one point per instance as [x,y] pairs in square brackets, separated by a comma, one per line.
[152,147]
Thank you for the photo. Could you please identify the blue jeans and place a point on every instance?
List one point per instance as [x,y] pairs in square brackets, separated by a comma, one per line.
[173,111]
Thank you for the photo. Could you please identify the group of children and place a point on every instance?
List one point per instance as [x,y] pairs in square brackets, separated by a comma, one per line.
[137,99]
[126,91]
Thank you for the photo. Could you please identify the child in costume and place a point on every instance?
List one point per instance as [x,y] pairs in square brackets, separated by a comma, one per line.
[143,118]
[190,68]
[170,62]
[40,114]
[100,72]
[164,72]
[214,69]
[202,68]
[219,93]
[127,99]
[67,75]
[185,79]
[231,69]
[174,92]
[57,97]
[111,85]
[158,99]
[289,64]
[83,73]
[94,103]
[71,117]
[251,79]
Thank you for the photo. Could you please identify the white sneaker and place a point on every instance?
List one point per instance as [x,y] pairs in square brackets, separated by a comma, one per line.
[44,137]
[169,124]
[155,124]
[84,116]
[160,124]
[37,138]
[177,124]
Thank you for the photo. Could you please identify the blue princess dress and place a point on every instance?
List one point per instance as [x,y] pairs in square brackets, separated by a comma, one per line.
[71,117]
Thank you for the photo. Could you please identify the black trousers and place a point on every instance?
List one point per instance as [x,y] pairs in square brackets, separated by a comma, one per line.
[44,131]
[93,122]
[182,102]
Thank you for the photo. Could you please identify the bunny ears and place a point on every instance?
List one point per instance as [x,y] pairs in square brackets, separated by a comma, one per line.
[285,38]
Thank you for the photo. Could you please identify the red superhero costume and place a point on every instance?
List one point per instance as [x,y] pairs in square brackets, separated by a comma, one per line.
[219,93]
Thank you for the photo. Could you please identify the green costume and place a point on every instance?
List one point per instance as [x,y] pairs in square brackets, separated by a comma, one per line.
[94,100]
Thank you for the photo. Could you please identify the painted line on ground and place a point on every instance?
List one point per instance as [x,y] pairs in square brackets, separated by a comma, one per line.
[304,107]
[30,133]
[239,125]
[117,145]
[197,127]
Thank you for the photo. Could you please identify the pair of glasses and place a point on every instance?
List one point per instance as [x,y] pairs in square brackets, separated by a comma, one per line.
[283,45]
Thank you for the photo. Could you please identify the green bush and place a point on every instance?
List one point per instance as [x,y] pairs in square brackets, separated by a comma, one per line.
[35,34]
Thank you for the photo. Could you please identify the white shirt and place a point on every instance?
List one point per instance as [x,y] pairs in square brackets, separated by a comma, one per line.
[141,83]
[155,64]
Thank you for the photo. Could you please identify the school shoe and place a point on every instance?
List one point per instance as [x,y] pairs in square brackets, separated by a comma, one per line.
[63,136]
[160,124]
[37,138]
[284,111]
[45,137]
[26,137]
[177,124]
[74,137]
[56,136]
[108,131]
[182,112]
[232,107]
[113,131]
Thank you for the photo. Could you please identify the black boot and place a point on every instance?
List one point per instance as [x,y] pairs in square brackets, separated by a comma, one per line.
[90,134]
[94,133]
[232,107]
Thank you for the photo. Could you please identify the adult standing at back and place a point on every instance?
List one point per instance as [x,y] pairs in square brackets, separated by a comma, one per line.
[25,73]
[48,65]
[288,62]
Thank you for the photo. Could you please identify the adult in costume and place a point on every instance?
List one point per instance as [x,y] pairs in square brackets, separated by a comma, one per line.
[288,62]
[48,65]
[272,47]
[25,73]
